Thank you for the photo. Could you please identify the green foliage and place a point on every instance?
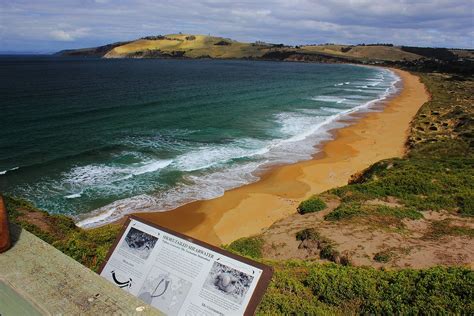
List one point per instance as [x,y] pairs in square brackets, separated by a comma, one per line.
[329,252]
[421,184]
[89,247]
[398,212]
[313,204]
[345,211]
[311,288]
[439,229]
[308,234]
[383,256]
[431,291]
[248,246]
[287,294]
[466,204]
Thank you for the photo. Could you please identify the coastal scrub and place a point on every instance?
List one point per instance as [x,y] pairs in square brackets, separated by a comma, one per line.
[313,204]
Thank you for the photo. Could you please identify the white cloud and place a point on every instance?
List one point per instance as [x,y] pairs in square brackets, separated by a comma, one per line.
[79,23]
[60,35]
[68,36]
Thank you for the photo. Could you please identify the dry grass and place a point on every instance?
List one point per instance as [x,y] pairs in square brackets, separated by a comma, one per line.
[192,46]
[363,52]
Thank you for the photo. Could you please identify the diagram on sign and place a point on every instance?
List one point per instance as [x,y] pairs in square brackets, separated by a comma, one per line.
[165,291]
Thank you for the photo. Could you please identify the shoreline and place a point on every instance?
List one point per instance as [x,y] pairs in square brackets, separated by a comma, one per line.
[248,210]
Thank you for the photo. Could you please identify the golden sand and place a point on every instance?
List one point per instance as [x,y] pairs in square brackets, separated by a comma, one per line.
[250,209]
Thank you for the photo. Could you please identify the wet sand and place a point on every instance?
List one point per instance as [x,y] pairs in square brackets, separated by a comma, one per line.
[250,209]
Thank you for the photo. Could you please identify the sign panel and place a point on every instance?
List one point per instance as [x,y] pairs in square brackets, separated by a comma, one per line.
[182,276]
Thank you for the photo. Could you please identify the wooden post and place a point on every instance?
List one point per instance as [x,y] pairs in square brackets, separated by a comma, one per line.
[5,241]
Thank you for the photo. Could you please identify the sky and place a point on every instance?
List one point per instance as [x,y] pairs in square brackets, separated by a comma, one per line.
[52,25]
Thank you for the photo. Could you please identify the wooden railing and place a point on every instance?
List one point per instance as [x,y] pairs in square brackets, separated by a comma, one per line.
[5,241]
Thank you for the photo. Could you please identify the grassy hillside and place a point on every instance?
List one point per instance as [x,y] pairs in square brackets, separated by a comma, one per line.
[186,45]
[422,59]
[205,46]
[420,208]
[384,53]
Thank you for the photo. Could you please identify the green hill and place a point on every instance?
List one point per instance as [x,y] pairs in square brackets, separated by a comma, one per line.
[186,45]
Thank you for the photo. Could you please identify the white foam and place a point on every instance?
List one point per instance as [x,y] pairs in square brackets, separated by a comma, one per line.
[73,196]
[331,110]
[116,210]
[96,174]
[11,169]
[209,156]
[331,99]
[300,130]
[152,167]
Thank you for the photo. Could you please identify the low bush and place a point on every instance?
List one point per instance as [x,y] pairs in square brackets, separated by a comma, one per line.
[308,234]
[383,256]
[398,212]
[311,288]
[344,211]
[313,204]
[247,246]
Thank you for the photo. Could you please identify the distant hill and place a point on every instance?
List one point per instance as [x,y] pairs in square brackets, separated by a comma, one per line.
[187,45]
[206,46]
[372,52]
[99,51]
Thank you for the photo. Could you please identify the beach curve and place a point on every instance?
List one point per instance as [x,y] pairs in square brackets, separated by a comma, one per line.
[250,209]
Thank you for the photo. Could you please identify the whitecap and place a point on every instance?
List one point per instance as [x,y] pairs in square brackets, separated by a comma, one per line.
[11,169]
[73,196]
[332,99]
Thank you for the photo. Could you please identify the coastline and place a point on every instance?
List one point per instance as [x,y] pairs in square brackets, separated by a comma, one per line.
[250,209]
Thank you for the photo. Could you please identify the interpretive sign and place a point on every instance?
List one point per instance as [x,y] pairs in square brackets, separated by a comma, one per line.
[182,276]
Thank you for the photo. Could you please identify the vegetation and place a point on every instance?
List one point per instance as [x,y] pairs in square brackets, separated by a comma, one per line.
[356,209]
[248,246]
[313,204]
[438,53]
[89,247]
[383,256]
[311,288]
[311,238]
[308,234]
[443,228]
[423,59]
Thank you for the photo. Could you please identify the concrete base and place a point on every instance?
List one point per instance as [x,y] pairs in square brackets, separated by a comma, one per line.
[56,284]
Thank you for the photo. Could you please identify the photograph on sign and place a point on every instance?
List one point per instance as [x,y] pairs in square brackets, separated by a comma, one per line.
[181,276]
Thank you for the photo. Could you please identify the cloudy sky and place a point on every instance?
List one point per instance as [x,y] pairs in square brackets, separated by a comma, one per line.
[51,25]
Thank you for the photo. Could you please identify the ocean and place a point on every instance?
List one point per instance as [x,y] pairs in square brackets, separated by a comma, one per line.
[96,139]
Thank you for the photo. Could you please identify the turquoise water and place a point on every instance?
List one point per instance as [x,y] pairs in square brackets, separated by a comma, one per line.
[96,138]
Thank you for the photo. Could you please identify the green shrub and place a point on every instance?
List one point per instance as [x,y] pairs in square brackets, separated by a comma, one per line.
[466,205]
[344,211]
[313,204]
[398,212]
[439,229]
[308,234]
[432,291]
[329,252]
[308,288]
[383,256]
[247,246]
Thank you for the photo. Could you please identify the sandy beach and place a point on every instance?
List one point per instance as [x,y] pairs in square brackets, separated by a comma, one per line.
[249,209]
